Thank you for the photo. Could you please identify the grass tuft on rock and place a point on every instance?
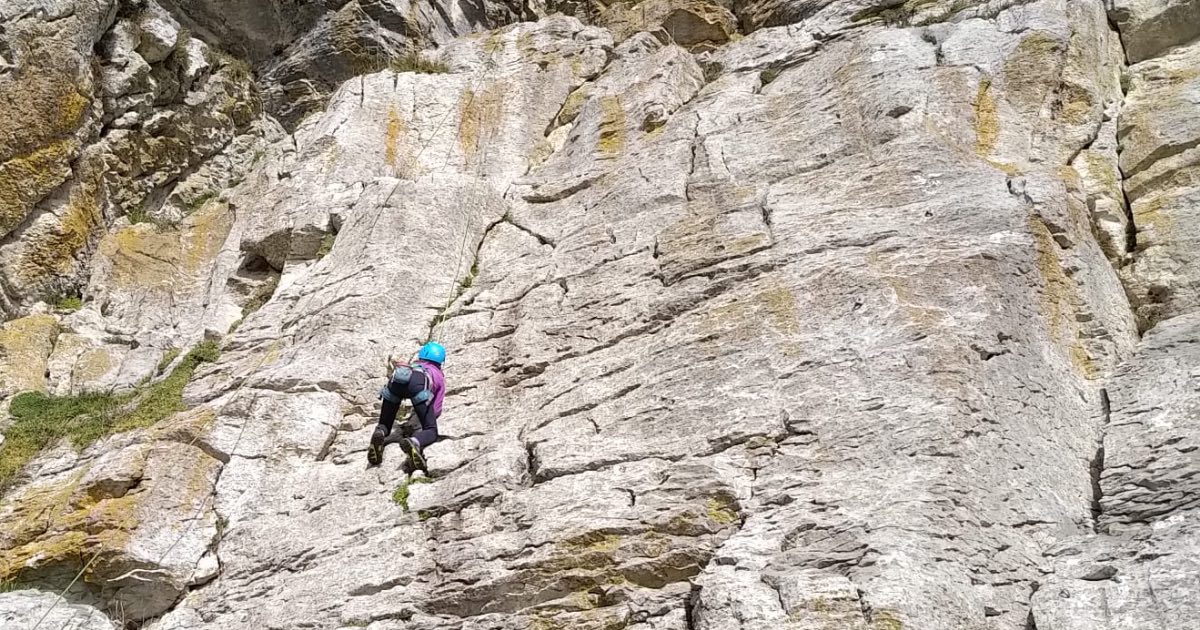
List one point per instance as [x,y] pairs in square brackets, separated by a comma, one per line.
[167,360]
[326,244]
[261,296]
[41,421]
[413,62]
[400,496]
[68,304]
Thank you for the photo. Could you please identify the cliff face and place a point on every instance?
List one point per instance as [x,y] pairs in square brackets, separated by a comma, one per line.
[763,315]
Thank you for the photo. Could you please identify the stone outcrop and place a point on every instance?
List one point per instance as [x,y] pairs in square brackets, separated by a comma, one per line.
[1137,572]
[147,105]
[766,315]
[1161,161]
[134,515]
[22,610]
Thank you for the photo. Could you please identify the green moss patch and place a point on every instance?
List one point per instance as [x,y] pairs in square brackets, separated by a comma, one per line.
[68,304]
[400,496]
[40,421]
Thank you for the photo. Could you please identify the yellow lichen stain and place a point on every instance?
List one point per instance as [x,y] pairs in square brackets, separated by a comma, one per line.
[1083,361]
[63,525]
[54,250]
[1032,70]
[526,45]
[1059,299]
[185,427]
[742,320]
[584,600]
[480,114]
[494,43]
[1074,104]
[1058,289]
[274,351]
[72,109]
[1103,170]
[146,256]
[25,180]
[1154,225]
[573,105]
[26,344]
[612,127]
[1070,177]
[395,127]
[92,364]
[721,510]
[987,119]
[593,541]
[1012,170]
[885,620]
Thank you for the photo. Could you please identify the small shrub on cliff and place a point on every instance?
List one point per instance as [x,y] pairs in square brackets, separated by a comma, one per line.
[413,62]
[69,304]
[40,421]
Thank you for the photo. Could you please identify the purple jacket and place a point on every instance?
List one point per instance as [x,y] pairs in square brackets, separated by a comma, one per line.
[437,387]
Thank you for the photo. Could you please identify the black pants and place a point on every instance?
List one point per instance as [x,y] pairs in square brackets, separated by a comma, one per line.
[428,434]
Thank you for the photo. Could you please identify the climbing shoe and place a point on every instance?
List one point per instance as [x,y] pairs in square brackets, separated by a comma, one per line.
[413,449]
[375,450]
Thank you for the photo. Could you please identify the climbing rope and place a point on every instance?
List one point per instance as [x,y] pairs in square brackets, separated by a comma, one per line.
[475,202]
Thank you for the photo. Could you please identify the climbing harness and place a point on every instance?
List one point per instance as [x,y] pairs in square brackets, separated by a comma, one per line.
[401,376]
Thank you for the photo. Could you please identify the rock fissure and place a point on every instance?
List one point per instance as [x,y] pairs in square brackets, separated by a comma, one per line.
[1096,466]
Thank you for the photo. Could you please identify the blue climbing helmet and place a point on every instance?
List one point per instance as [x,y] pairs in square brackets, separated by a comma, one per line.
[434,352]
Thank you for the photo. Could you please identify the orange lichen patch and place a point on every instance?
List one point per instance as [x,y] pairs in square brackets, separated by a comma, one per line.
[612,127]
[987,119]
[480,114]
[395,128]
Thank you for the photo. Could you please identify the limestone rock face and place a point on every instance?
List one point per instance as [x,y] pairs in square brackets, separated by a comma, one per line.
[1139,568]
[1161,161]
[47,91]
[135,516]
[23,610]
[26,345]
[304,51]
[1150,27]
[148,105]
[774,315]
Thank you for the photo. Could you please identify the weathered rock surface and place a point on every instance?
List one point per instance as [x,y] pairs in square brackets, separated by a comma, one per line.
[1160,133]
[1149,27]
[136,126]
[26,345]
[1140,571]
[304,51]
[134,514]
[23,610]
[765,315]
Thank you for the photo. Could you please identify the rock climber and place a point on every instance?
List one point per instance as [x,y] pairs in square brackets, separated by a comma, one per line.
[422,382]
